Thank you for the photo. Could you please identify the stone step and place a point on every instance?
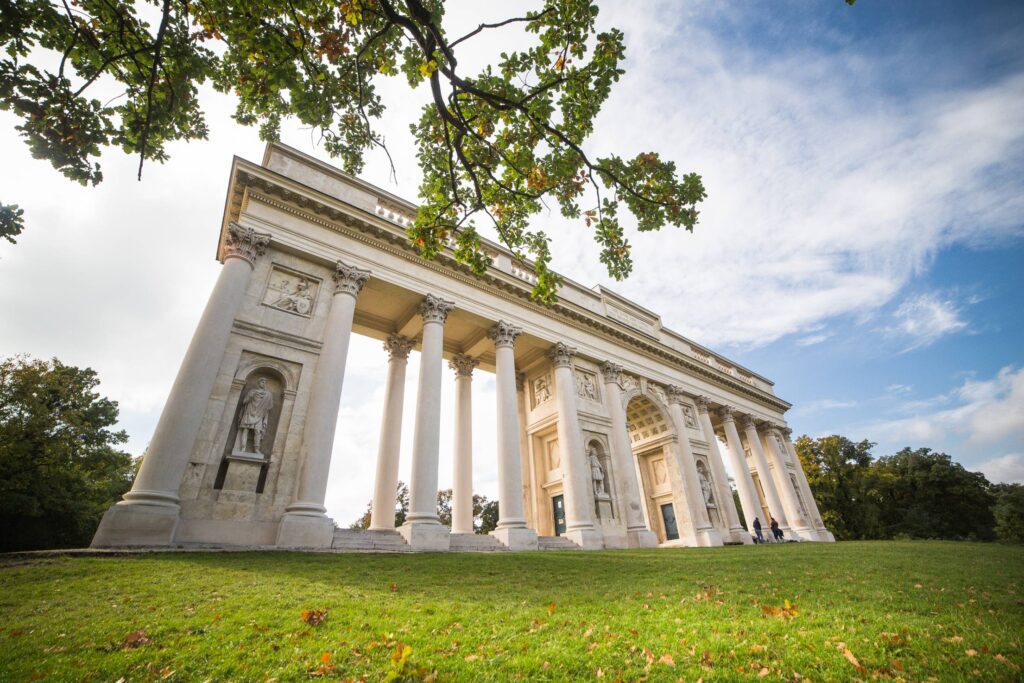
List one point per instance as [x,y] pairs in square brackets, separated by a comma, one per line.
[555,543]
[478,543]
[359,539]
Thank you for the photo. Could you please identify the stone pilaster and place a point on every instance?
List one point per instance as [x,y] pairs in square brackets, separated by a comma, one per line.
[639,536]
[382,511]
[148,514]
[705,534]
[305,523]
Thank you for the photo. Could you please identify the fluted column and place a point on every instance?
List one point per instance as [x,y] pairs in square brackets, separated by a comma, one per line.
[820,529]
[630,496]
[511,529]
[722,489]
[304,523]
[423,530]
[801,526]
[382,513]
[148,514]
[744,482]
[771,495]
[462,479]
[705,534]
[579,498]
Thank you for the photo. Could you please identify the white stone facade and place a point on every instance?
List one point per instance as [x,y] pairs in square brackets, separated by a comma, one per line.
[607,423]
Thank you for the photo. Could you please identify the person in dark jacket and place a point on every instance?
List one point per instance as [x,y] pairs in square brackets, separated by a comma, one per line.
[757,530]
[776,531]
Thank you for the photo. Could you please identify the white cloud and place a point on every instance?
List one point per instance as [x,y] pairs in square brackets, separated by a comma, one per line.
[1008,469]
[925,318]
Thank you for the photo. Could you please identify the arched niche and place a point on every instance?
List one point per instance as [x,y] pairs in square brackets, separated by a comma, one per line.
[275,380]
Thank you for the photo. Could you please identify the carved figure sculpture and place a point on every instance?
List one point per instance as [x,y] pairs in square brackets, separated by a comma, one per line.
[588,388]
[705,487]
[541,389]
[256,406]
[597,473]
[299,300]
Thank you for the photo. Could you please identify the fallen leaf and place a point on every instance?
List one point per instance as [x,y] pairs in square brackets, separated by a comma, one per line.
[551,609]
[325,658]
[667,659]
[394,588]
[970,653]
[850,658]
[314,617]
[134,639]
[763,672]
[473,658]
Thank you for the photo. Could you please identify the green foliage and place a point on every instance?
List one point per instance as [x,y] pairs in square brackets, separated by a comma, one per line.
[60,467]
[12,221]
[483,511]
[912,494]
[903,610]
[1009,512]
[496,146]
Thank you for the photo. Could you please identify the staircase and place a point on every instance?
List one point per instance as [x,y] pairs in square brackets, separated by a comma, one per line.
[476,543]
[555,543]
[358,540]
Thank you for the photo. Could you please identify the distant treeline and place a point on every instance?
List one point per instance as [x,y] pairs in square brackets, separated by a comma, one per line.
[911,494]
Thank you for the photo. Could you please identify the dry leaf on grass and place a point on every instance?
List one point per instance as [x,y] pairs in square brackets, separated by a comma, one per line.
[314,617]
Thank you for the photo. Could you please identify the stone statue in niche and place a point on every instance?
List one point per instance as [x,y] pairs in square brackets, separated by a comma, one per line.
[705,487]
[256,406]
[298,300]
[597,473]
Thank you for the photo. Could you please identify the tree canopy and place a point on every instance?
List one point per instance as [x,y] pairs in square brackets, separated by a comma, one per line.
[496,145]
[60,462]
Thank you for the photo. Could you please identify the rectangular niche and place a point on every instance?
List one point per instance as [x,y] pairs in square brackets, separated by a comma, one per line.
[291,291]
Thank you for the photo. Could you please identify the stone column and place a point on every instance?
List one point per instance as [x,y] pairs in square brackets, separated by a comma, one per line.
[764,476]
[422,529]
[801,527]
[744,482]
[382,513]
[820,529]
[305,523]
[148,514]
[511,529]
[462,482]
[631,498]
[525,466]
[579,494]
[705,534]
[722,488]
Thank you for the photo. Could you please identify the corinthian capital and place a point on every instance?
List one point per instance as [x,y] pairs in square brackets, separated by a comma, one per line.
[725,414]
[786,432]
[747,422]
[767,427]
[503,333]
[561,355]
[244,243]
[349,279]
[702,404]
[675,394]
[398,347]
[463,365]
[611,372]
[434,309]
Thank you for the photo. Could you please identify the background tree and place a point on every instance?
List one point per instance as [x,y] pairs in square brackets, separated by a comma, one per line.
[1008,512]
[837,472]
[401,509]
[497,145]
[60,465]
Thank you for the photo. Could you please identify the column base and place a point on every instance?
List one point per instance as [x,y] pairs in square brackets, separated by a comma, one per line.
[299,530]
[825,536]
[642,538]
[135,524]
[587,539]
[740,535]
[516,538]
[426,537]
[708,538]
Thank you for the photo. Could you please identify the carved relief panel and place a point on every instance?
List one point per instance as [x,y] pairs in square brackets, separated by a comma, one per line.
[586,386]
[540,388]
[291,291]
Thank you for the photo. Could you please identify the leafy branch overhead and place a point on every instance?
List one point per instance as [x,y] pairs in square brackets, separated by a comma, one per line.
[495,147]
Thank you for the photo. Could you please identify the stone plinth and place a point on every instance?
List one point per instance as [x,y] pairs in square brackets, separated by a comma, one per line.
[516,538]
[426,537]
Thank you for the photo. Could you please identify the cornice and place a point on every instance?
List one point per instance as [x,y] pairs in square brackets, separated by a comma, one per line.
[250,182]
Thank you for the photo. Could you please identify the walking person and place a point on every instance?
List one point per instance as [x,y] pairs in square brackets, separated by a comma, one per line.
[776,531]
[757,530]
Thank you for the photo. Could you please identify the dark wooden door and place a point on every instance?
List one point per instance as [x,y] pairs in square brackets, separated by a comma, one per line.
[558,506]
[668,515]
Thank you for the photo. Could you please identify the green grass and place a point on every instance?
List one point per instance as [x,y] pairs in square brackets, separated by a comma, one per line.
[906,610]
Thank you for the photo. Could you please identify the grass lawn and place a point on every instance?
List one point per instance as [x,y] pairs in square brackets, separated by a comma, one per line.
[909,610]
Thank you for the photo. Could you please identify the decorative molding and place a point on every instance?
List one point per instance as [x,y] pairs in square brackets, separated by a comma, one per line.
[349,279]
[504,334]
[611,372]
[561,355]
[463,365]
[244,243]
[398,347]
[434,309]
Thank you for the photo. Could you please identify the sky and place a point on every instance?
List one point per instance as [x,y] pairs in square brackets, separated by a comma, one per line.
[861,244]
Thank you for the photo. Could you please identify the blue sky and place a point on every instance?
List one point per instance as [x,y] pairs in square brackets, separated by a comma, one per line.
[860,245]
